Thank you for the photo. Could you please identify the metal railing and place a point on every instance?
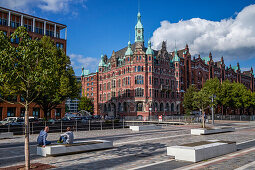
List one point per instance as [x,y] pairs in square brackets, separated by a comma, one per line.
[60,126]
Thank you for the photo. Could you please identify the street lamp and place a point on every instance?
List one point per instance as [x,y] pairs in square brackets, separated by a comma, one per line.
[150,113]
[213,97]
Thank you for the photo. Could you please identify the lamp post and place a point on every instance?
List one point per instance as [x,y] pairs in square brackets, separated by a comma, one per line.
[150,113]
[213,96]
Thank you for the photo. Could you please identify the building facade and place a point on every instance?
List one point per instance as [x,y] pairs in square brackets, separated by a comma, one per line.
[141,81]
[37,28]
[72,104]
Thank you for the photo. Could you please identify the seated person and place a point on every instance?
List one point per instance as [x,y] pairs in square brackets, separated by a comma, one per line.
[41,140]
[67,137]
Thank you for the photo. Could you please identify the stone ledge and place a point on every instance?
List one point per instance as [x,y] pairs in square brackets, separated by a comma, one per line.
[144,127]
[81,146]
[6,135]
[202,131]
[199,151]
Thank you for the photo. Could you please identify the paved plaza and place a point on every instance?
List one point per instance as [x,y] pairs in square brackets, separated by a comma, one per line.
[139,150]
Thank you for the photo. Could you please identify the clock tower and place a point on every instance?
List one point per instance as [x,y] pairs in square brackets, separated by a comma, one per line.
[139,37]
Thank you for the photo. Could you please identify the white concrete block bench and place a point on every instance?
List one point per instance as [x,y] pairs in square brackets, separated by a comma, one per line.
[6,135]
[76,147]
[144,127]
[202,131]
[199,151]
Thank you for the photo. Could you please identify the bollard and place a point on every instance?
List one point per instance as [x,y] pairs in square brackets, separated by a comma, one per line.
[76,126]
[61,126]
[89,125]
[101,122]
[112,124]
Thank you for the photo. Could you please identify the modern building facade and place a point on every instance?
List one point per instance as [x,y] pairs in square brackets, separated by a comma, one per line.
[138,80]
[37,28]
[72,104]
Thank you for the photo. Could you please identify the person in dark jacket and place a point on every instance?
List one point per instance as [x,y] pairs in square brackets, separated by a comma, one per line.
[42,138]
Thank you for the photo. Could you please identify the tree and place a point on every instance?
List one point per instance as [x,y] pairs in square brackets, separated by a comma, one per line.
[86,104]
[62,84]
[188,99]
[23,71]
[202,101]
[241,96]
[225,95]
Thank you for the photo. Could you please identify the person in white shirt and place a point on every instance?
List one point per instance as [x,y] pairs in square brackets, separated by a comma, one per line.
[67,137]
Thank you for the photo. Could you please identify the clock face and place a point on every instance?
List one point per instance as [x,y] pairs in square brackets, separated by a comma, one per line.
[139,31]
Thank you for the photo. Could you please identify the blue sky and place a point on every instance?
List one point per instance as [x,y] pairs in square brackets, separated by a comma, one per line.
[98,27]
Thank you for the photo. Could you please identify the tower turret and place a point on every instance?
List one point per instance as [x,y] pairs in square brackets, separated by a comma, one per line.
[139,37]
[129,50]
[149,51]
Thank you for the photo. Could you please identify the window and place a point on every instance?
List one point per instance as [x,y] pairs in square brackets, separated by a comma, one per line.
[36,112]
[150,80]
[139,106]
[156,81]
[87,89]
[13,24]
[11,111]
[140,58]
[139,92]
[113,83]
[104,86]
[87,84]
[92,83]
[92,88]
[91,94]
[139,69]
[128,80]
[58,112]
[100,87]
[139,79]
[92,78]
[150,92]
[87,79]
[119,83]
[149,58]
[150,69]
[22,112]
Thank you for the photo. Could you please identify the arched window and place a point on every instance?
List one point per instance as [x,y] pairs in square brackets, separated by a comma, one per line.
[156,106]
[161,107]
[167,106]
[172,107]
[105,108]
[119,107]
[139,106]
[109,107]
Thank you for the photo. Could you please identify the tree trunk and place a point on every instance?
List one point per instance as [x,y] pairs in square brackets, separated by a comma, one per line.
[27,157]
[203,118]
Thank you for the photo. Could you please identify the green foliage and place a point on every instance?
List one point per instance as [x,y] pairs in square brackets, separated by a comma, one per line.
[188,99]
[61,81]
[213,88]
[86,104]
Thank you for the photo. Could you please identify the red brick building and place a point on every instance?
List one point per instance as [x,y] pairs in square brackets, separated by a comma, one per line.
[37,28]
[141,81]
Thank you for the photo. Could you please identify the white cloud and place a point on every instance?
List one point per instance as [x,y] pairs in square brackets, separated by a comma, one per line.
[45,5]
[89,63]
[233,38]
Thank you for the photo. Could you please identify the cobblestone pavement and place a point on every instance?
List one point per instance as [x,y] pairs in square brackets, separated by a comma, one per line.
[132,149]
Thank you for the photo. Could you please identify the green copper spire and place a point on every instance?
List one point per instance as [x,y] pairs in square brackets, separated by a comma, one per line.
[176,57]
[129,50]
[139,37]
[102,64]
[149,51]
